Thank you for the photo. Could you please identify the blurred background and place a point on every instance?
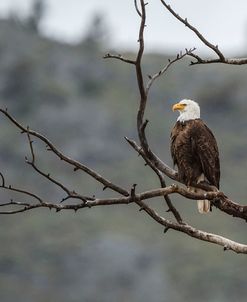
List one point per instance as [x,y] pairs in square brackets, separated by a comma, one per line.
[53,78]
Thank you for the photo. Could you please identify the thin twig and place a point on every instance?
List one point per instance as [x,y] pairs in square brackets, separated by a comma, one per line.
[179,56]
[118,57]
[137,9]
[215,48]
[229,61]
[25,192]
[71,194]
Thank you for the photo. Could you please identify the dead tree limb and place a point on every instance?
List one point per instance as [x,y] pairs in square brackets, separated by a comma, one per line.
[193,232]
[75,164]
[215,48]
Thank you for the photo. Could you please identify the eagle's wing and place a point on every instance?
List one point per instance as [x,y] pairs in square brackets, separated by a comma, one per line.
[205,146]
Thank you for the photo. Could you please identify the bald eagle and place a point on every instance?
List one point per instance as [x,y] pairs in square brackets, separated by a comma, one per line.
[194,150]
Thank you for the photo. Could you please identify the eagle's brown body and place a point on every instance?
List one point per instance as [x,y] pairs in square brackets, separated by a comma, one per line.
[194,151]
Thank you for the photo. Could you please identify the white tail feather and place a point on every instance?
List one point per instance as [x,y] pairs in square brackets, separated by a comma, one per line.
[202,205]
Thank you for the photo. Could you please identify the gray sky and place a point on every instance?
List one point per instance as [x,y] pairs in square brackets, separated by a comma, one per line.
[223,22]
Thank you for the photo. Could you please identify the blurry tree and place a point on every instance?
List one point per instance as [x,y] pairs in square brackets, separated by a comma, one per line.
[92,43]
[15,18]
[33,20]
[18,88]
[36,15]
[96,34]
[160,169]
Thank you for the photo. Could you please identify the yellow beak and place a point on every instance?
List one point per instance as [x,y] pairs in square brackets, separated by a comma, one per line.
[178,106]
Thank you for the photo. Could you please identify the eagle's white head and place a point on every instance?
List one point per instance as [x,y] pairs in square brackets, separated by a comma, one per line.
[188,109]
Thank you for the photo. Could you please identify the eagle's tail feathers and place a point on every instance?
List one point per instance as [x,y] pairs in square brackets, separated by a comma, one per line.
[203,206]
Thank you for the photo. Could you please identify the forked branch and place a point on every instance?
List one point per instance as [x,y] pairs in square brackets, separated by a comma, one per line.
[215,48]
[75,164]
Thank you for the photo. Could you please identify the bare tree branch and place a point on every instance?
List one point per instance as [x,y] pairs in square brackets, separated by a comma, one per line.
[232,61]
[199,35]
[179,56]
[77,165]
[118,57]
[192,232]
[221,58]
[10,188]
[173,189]
[141,125]
[70,194]
[139,67]
[137,9]
[138,198]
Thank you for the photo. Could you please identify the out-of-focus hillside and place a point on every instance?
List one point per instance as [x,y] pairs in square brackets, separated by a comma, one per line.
[86,105]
